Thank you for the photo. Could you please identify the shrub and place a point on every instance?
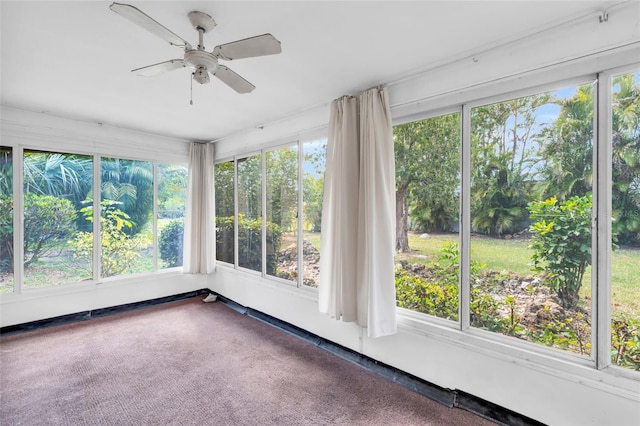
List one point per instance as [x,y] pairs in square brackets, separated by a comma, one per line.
[120,252]
[249,242]
[561,241]
[625,342]
[48,223]
[171,243]
[6,234]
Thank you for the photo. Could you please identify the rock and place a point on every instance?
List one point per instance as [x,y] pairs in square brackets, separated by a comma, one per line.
[425,235]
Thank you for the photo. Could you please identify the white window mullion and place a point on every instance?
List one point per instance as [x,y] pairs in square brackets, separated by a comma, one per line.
[235,213]
[263,202]
[97,247]
[156,247]
[465,220]
[300,214]
[602,214]
[18,218]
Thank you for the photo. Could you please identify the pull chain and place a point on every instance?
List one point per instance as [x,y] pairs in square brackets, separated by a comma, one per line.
[191,95]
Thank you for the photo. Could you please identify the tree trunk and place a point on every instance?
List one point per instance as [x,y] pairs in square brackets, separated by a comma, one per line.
[402,239]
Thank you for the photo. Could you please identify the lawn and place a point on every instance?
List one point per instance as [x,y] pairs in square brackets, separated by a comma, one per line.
[514,256]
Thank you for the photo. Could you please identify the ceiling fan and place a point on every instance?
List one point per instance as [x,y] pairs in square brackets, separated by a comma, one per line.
[199,59]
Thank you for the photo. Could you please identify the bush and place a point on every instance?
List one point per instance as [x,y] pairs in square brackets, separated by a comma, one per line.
[6,234]
[249,242]
[171,243]
[625,342]
[120,252]
[48,223]
[561,241]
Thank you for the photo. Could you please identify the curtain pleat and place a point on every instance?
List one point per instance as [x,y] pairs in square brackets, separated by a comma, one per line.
[199,227]
[357,278]
[337,294]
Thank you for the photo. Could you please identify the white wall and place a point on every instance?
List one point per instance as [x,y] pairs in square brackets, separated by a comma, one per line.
[44,131]
[540,383]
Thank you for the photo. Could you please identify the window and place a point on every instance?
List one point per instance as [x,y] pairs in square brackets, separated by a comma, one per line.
[625,196]
[6,219]
[427,208]
[314,158]
[172,198]
[126,217]
[250,212]
[225,216]
[282,212]
[57,237]
[531,174]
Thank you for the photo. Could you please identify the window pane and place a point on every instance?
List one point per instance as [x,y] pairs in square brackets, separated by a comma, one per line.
[427,156]
[172,197]
[225,220]
[58,240]
[314,156]
[250,212]
[282,212]
[6,219]
[531,218]
[126,217]
[625,259]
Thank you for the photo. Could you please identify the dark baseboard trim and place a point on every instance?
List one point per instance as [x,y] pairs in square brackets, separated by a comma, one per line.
[96,313]
[448,397]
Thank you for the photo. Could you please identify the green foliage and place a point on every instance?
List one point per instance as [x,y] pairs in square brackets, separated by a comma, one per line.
[432,298]
[6,171]
[625,342]
[249,243]
[570,332]
[120,252]
[129,182]
[171,243]
[313,192]
[6,233]
[48,223]
[561,241]
[282,187]
[172,190]
[224,189]
[504,156]
[428,194]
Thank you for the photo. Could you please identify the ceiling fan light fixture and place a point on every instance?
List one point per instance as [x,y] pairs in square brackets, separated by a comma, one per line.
[201,75]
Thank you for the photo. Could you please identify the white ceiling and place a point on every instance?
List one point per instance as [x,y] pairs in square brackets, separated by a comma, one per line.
[73,59]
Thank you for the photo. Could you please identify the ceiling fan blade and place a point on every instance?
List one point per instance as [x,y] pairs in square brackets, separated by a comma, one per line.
[261,45]
[233,80]
[143,20]
[162,67]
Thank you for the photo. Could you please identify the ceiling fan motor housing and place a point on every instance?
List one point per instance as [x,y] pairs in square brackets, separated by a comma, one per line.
[201,60]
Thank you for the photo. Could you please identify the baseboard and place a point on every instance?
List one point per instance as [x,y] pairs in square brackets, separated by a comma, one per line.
[96,313]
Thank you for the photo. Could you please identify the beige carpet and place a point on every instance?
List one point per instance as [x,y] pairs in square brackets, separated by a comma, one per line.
[194,363]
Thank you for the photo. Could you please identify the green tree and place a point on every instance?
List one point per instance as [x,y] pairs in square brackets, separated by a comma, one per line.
[427,157]
[172,190]
[282,187]
[129,182]
[504,163]
[567,147]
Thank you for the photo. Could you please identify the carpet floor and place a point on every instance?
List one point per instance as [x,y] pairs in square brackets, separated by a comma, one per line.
[194,363]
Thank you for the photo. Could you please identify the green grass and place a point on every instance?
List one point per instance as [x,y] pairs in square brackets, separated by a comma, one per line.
[514,256]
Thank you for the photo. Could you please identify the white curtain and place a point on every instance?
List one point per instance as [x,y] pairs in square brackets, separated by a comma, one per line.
[199,226]
[357,279]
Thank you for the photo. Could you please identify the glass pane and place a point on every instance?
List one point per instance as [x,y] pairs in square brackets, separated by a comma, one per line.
[282,212]
[6,220]
[126,216]
[225,219]
[58,239]
[625,259]
[250,212]
[314,158]
[531,218]
[427,156]
[172,197]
